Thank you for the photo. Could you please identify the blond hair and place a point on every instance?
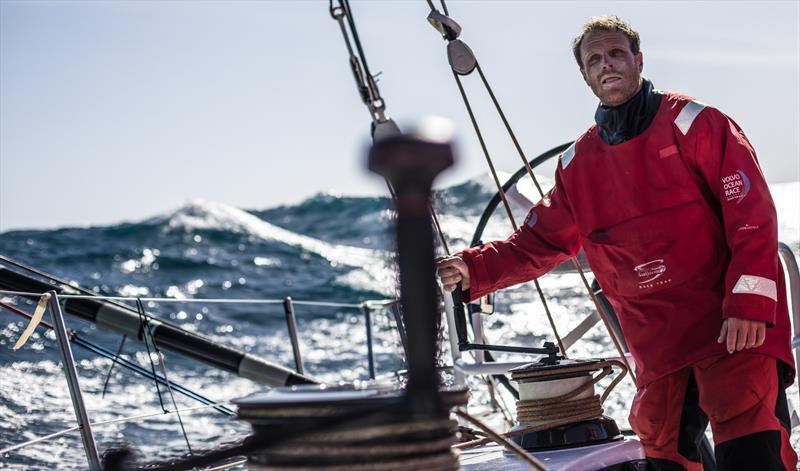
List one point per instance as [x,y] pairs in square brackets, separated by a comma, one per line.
[605,23]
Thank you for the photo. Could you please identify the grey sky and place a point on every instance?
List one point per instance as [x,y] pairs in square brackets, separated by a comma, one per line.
[114,111]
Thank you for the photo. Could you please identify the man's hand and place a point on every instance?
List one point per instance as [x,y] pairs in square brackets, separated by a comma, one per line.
[451,271]
[742,333]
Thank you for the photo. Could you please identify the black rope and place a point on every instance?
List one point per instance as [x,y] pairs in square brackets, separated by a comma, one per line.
[163,365]
[509,130]
[500,186]
[483,147]
[444,7]
[113,362]
[143,331]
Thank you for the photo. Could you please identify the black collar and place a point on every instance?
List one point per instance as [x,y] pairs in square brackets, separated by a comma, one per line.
[618,124]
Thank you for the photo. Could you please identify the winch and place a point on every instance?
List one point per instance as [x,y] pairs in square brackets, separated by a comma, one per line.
[349,427]
[558,405]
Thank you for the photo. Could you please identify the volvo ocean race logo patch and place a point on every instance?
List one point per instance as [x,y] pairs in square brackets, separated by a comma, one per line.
[736,186]
[650,271]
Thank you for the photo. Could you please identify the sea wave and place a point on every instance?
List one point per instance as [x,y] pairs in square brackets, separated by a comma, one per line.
[210,215]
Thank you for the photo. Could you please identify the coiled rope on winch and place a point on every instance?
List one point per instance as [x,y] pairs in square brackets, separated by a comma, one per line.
[464,62]
[566,406]
[562,409]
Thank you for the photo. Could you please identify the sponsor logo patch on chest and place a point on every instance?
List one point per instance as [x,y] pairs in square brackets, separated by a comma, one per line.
[735,186]
[650,273]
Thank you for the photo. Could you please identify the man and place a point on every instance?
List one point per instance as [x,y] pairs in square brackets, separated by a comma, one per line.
[666,197]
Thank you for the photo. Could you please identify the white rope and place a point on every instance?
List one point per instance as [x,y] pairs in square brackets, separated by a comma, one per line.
[37,440]
[380,302]
[106,422]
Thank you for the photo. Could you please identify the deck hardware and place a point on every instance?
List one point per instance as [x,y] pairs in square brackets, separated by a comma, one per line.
[291,325]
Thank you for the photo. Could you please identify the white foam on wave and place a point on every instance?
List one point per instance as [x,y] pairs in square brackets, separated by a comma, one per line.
[371,271]
[201,214]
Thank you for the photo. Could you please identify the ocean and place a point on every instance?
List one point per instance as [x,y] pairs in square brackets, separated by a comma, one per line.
[327,248]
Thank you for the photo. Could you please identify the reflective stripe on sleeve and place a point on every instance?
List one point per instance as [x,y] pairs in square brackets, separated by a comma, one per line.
[688,114]
[752,284]
[567,156]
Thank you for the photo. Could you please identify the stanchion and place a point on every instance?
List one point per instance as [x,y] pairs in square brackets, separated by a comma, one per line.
[78,405]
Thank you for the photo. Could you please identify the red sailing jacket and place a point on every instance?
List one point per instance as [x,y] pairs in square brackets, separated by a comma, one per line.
[678,226]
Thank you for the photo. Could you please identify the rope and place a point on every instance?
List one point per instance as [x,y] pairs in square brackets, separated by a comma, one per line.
[576,409]
[502,440]
[494,172]
[422,444]
[40,439]
[144,329]
[362,427]
[439,231]
[163,365]
[113,362]
[444,6]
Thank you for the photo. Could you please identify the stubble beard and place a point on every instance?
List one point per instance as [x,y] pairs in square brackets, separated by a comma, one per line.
[617,97]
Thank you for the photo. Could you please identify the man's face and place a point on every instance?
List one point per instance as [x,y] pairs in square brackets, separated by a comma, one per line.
[610,69]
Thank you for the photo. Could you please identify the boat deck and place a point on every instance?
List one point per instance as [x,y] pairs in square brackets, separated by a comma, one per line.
[585,458]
